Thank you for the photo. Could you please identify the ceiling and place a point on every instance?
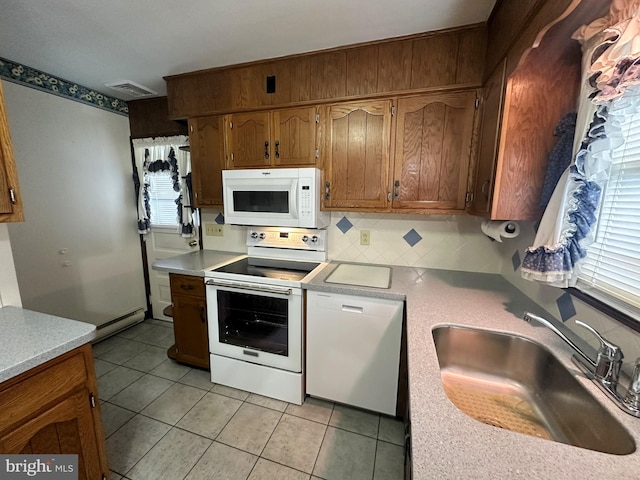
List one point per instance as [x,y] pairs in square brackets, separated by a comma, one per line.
[93,42]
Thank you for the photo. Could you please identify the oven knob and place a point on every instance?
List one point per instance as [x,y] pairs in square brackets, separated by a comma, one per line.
[305,238]
[262,236]
[314,239]
[254,234]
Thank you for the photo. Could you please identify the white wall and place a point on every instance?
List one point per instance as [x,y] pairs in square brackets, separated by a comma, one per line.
[546,297]
[74,168]
[448,242]
[9,291]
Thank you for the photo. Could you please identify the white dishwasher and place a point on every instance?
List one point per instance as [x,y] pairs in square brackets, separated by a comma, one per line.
[353,349]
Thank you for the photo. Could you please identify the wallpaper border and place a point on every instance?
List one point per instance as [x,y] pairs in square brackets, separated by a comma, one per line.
[33,78]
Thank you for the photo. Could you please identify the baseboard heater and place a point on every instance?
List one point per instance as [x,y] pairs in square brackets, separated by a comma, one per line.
[114,326]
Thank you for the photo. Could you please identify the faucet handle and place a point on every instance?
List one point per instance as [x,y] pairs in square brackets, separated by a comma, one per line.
[632,399]
[609,359]
[607,349]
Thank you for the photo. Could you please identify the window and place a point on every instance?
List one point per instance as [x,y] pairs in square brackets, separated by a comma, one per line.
[162,199]
[611,271]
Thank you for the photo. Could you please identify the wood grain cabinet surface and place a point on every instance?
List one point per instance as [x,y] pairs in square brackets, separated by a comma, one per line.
[207,147]
[356,154]
[518,120]
[433,145]
[10,203]
[190,320]
[278,138]
[54,409]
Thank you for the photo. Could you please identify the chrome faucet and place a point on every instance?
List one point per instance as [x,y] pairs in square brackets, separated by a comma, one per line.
[605,371]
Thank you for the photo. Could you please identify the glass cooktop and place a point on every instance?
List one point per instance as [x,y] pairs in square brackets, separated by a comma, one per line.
[269,268]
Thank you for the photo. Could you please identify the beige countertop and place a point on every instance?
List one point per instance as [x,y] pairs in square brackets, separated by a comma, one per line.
[29,339]
[446,443]
[195,263]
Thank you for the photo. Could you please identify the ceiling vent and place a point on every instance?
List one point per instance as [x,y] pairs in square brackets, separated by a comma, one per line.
[131,88]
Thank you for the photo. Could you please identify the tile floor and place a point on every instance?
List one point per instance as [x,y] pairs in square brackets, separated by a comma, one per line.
[166,420]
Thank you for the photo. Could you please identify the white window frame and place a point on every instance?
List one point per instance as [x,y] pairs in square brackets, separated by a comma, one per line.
[611,271]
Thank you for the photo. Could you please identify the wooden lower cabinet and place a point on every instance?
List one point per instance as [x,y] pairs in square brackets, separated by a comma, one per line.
[190,320]
[54,409]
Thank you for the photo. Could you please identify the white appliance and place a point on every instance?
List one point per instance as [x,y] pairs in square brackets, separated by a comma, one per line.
[255,308]
[353,350]
[284,197]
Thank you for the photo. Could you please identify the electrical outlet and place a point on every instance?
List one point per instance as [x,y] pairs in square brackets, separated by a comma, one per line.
[365,237]
[213,230]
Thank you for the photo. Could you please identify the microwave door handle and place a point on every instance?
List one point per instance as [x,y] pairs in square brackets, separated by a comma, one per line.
[294,198]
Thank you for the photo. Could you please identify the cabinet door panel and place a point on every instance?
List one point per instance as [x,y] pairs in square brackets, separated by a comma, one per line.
[357,153]
[66,428]
[492,99]
[249,140]
[190,328]
[206,138]
[433,147]
[294,136]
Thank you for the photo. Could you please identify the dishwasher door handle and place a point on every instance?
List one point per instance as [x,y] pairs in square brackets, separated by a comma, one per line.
[352,308]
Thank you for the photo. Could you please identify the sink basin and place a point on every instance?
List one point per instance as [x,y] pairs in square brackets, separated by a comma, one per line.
[511,382]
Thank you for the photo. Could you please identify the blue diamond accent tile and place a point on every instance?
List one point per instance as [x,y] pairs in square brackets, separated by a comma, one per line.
[220,219]
[344,225]
[412,237]
[565,306]
[515,260]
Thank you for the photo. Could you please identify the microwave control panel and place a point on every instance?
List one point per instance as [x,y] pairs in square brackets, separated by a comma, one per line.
[307,201]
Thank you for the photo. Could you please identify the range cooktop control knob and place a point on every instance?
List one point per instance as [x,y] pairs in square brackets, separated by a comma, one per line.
[254,234]
[305,238]
[314,239]
[262,236]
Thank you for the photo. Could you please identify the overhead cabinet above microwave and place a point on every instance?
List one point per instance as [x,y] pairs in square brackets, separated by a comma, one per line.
[284,197]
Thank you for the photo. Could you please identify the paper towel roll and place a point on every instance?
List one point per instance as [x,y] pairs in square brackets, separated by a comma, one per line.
[497,230]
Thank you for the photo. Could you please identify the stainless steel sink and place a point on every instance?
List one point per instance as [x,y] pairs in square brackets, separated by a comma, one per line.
[511,382]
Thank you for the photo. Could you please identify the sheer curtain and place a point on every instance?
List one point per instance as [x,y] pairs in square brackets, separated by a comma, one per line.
[611,59]
[162,154]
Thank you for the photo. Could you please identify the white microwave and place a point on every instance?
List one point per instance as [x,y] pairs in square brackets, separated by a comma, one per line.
[275,197]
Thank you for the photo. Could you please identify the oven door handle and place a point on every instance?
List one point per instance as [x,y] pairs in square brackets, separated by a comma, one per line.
[252,288]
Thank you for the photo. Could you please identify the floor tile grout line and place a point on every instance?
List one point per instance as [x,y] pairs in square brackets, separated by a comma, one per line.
[324,435]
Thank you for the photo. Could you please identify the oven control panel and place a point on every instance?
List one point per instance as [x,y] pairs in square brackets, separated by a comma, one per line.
[284,237]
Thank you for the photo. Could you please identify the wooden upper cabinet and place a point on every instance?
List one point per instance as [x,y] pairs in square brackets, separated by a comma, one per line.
[278,138]
[293,137]
[393,66]
[433,146]
[206,139]
[248,138]
[491,115]
[10,203]
[356,154]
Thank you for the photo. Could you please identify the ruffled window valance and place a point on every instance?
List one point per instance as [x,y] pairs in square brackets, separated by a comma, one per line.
[611,59]
[156,155]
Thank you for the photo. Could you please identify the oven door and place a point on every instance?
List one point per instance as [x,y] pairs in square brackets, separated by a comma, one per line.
[257,323]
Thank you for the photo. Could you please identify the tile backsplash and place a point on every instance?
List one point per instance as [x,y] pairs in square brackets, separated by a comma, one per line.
[430,241]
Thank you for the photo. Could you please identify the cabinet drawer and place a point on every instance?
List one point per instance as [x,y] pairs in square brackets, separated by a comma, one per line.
[22,399]
[187,285]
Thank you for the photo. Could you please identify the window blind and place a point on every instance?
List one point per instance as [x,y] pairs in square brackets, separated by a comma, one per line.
[611,270]
[162,200]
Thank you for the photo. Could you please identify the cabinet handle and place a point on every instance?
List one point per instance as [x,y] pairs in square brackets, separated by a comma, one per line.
[484,187]
[388,196]
[266,149]
[186,287]
[277,145]
[12,196]
[396,190]
[203,315]
[327,190]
